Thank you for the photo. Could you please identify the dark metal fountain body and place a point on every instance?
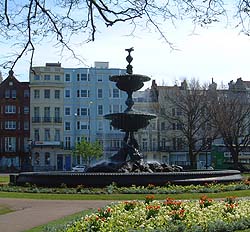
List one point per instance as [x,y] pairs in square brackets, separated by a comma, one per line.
[127,167]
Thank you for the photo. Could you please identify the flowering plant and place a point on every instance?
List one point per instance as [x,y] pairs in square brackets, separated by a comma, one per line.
[225,215]
[205,201]
[149,198]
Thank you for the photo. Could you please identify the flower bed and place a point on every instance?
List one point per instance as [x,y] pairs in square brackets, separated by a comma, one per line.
[205,214]
[150,189]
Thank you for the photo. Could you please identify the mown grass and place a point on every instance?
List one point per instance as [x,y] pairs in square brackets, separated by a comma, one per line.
[5,209]
[4,179]
[118,197]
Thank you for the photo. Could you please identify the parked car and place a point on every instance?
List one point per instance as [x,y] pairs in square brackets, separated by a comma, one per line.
[79,168]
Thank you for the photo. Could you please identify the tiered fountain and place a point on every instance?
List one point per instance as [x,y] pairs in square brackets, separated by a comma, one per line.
[127,167]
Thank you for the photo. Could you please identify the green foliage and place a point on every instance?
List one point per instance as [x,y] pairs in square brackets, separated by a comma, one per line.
[88,151]
[160,217]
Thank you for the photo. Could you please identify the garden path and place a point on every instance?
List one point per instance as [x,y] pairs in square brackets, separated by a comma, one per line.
[30,213]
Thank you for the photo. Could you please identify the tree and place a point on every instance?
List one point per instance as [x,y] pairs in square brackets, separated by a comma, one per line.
[88,151]
[27,23]
[229,112]
[185,108]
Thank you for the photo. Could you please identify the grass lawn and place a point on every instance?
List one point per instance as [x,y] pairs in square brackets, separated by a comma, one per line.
[117,197]
[4,179]
[5,209]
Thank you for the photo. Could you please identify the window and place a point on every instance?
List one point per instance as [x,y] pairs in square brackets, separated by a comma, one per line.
[26,109]
[67,93]
[84,111]
[47,114]
[84,93]
[99,93]
[163,143]
[57,112]
[163,126]
[57,77]
[67,111]
[67,125]
[26,93]
[100,125]
[36,117]
[10,109]
[57,93]
[57,135]
[67,77]
[13,93]
[47,93]
[84,77]
[36,112]
[67,142]
[179,126]
[46,77]
[10,144]
[115,108]
[179,144]
[84,126]
[36,135]
[179,112]
[10,125]
[37,158]
[7,93]
[46,134]
[99,78]
[36,93]
[144,144]
[100,109]
[36,77]
[116,93]
[26,125]
[47,158]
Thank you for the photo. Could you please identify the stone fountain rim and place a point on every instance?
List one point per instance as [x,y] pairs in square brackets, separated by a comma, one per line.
[182,173]
[122,77]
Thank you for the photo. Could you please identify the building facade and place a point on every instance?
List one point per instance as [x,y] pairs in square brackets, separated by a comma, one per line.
[67,105]
[88,96]
[14,124]
[46,117]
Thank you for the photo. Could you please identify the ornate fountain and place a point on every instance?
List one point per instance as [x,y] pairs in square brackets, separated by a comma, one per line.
[127,166]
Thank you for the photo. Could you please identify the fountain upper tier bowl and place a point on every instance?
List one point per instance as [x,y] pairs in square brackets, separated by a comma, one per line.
[129,82]
[130,120]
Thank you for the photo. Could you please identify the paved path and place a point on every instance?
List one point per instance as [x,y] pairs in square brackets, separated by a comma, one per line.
[31,213]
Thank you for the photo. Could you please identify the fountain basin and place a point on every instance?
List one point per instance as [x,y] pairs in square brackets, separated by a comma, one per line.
[72,179]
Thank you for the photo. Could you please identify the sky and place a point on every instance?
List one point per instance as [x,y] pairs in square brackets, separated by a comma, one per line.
[217,52]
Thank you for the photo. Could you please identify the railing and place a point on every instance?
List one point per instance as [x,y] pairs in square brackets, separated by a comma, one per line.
[47,119]
[36,119]
[58,120]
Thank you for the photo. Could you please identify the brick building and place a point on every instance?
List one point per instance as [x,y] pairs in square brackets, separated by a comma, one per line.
[14,124]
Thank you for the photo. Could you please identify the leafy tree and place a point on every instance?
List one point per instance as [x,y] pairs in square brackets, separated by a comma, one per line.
[88,151]
[27,23]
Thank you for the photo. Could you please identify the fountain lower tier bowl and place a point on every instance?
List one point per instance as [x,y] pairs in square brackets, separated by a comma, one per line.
[130,121]
[71,179]
[129,82]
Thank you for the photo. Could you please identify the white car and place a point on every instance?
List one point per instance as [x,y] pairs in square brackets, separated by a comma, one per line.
[79,168]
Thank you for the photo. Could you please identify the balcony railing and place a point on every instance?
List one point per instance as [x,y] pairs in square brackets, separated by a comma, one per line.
[47,119]
[36,119]
[58,120]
